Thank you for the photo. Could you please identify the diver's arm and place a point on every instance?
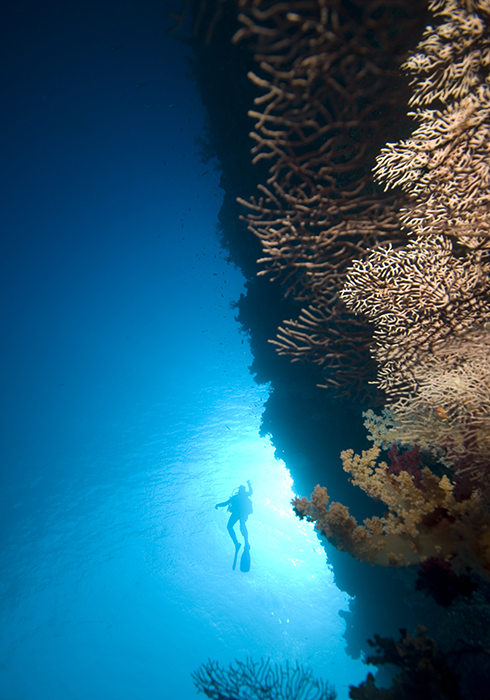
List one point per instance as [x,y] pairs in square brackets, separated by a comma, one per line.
[250,489]
[221,505]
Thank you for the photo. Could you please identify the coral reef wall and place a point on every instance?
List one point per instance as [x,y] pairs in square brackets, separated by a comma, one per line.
[329,96]
[430,303]
[375,271]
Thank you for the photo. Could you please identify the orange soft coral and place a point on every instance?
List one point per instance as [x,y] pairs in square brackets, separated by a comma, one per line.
[424,518]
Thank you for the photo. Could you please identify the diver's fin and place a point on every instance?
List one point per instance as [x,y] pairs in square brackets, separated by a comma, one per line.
[245,560]
[237,549]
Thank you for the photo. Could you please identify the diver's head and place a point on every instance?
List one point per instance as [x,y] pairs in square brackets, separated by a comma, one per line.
[241,489]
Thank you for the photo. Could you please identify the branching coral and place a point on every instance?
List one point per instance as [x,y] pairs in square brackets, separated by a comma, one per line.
[418,298]
[328,77]
[430,302]
[444,165]
[327,98]
[431,313]
[449,413]
[424,518]
[260,681]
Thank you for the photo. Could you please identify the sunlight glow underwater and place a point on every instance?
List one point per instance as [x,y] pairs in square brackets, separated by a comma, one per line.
[130,588]
[287,606]
[120,436]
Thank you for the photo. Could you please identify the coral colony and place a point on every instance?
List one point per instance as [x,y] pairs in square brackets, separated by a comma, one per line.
[425,289]
[429,304]
[254,681]
[392,268]
[318,209]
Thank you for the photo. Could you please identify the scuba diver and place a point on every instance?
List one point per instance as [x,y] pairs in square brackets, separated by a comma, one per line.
[240,506]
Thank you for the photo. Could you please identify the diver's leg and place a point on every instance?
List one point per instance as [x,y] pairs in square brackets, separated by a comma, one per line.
[231,524]
[244,531]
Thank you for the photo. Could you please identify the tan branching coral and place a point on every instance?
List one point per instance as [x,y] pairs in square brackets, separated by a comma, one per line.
[419,298]
[341,352]
[449,413]
[327,100]
[431,313]
[423,520]
[430,302]
[445,164]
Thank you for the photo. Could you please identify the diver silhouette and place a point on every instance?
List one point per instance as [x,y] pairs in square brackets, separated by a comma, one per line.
[240,506]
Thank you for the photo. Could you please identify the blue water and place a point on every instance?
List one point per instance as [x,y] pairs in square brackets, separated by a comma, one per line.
[127,406]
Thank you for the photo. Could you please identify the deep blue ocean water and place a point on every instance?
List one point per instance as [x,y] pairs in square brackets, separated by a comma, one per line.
[127,407]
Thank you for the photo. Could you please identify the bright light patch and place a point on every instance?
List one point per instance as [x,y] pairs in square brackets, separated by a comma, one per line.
[286,607]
